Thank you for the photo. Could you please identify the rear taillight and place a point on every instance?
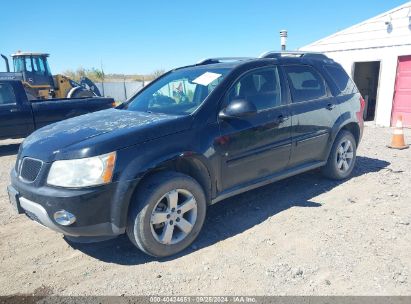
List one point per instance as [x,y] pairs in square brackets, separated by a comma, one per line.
[362,103]
[360,113]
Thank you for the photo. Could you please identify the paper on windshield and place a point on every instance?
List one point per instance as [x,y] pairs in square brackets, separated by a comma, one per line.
[206,78]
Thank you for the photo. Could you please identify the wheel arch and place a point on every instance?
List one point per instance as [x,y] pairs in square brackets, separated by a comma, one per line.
[354,129]
[188,163]
[347,125]
[350,126]
[132,177]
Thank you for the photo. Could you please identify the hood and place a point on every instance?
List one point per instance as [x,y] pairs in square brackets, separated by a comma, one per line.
[99,132]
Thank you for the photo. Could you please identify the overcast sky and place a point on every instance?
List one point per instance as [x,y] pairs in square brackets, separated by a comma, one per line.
[142,36]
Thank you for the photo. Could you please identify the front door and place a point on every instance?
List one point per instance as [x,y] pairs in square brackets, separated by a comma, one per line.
[256,146]
[36,71]
[41,71]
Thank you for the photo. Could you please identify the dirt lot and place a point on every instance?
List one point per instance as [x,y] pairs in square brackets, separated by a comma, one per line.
[305,235]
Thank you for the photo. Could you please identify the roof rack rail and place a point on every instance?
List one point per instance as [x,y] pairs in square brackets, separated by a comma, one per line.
[221,59]
[279,54]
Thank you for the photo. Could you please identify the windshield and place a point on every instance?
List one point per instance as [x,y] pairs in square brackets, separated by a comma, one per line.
[179,93]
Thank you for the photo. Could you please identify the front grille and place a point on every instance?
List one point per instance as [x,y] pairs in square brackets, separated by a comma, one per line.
[30,169]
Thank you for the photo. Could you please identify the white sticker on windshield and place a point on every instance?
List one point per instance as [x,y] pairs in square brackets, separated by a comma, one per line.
[206,78]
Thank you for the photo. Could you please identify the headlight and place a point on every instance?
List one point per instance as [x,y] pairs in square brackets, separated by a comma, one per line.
[83,172]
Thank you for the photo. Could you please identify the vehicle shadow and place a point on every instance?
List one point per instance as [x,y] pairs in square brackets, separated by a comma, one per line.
[10,149]
[237,214]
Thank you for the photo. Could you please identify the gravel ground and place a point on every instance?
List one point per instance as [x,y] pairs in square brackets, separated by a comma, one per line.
[305,235]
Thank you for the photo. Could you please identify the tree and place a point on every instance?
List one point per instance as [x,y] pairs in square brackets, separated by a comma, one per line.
[93,73]
[96,75]
[70,74]
[81,72]
[156,74]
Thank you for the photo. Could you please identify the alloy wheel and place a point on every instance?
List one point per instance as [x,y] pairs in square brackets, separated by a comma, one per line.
[173,217]
[345,156]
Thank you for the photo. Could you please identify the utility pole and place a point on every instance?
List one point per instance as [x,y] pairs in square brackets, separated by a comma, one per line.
[124,86]
[283,37]
[102,73]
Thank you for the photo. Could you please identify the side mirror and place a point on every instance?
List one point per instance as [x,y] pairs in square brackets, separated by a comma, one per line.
[238,108]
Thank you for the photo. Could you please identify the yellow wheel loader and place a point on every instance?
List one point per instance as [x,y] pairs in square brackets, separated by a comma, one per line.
[34,71]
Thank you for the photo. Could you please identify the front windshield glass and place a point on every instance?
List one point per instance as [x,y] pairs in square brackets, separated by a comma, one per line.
[179,93]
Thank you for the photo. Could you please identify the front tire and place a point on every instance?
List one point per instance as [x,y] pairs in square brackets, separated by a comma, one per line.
[341,160]
[166,214]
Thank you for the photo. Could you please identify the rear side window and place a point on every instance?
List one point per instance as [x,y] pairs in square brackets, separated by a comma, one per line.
[6,94]
[341,79]
[305,83]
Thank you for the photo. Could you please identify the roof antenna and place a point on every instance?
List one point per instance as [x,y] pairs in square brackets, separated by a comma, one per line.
[283,36]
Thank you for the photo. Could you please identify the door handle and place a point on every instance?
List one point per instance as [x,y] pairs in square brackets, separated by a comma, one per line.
[330,106]
[281,118]
[13,110]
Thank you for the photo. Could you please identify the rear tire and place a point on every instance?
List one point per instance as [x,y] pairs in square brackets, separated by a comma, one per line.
[341,160]
[166,214]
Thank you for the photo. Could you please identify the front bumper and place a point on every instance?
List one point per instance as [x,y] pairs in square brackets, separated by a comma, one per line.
[37,213]
[100,211]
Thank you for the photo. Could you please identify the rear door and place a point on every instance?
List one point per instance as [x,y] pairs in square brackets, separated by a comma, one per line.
[402,96]
[15,116]
[256,146]
[314,112]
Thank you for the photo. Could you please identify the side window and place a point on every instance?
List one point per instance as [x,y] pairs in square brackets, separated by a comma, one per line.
[29,66]
[18,64]
[305,83]
[6,94]
[341,79]
[262,87]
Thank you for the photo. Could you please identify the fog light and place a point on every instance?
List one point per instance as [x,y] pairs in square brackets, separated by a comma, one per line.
[64,218]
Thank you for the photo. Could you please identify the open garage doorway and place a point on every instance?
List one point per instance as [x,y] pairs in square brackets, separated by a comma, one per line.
[366,76]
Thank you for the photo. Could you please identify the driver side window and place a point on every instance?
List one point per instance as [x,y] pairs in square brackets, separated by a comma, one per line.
[261,87]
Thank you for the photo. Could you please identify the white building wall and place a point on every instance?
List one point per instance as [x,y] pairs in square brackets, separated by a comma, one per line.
[388,70]
[373,40]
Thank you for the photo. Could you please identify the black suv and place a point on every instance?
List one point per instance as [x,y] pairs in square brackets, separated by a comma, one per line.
[193,137]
